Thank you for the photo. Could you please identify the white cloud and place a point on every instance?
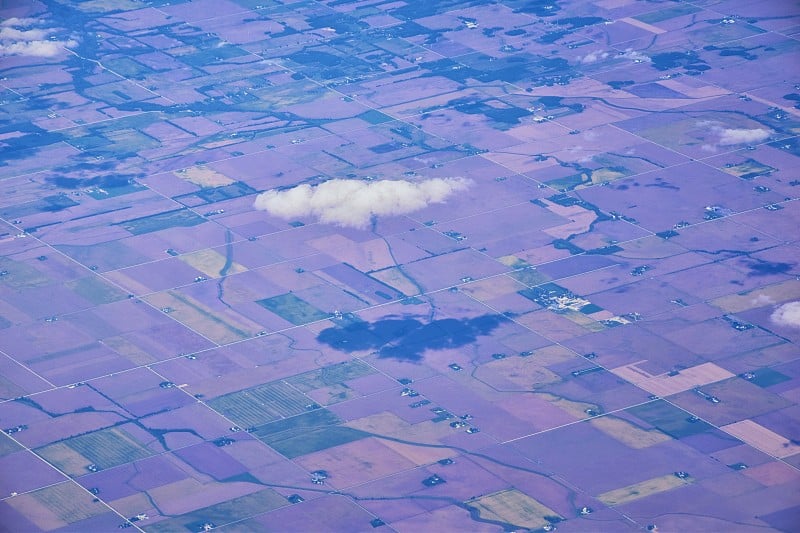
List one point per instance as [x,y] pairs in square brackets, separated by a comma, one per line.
[729,136]
[22,35]
[16,21]
[787,315]
[17,38]
[631,54]
[353,203]
[762,299]
[592,57]
[635,56]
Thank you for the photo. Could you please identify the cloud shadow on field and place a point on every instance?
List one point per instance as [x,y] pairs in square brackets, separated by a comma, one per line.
[408,338]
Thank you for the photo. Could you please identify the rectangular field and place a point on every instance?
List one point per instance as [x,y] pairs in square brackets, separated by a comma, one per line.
[696,376]
[221,513]
[669,419]
[292,309]
[57,506]
[514,507]
[211,263]
[310,432]
[200,318]
[330,375]
[643,489]
[627,433]
[157,222]
[261,404]
[105,448]
[762,438]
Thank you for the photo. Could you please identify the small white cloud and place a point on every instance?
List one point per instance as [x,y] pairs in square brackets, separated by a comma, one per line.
[762,299]
[731,136]
[708,148]
[636,57]
[22,35]
[353,203]
[18,38]
[787,315]
[16,21]
[593,57]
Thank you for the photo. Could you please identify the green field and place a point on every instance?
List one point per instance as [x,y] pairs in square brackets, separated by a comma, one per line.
[127,67]
[374,117]
[111,254]
[316,440]
[95,290]
[100,193]
[529,276]
[767,377]
[21,275]
[221,513]
[7,445]
[330,375]
[261,404]
[669,419]
[105,448]
[69,502]
[159,221]
[660,15]
[292,309]
[310,432]
[297,425]
[749,169]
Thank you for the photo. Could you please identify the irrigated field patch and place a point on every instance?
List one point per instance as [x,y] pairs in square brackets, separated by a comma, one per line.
[261,404]
[628,433]
[292,309]
[643,489]
[514,507]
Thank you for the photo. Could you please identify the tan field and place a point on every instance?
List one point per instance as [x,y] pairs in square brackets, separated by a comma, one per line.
[133,504]
[643,489]
[57,506]
[128,350]
[204,176]
[524,372]
[606,174]
[210,262]
[176,497]
[108,5]
[358,462]
[395,278]
[493,287]
[762,438]
[696,376]
[580,220]
[643,25]
[513,507]
[576,409]
[632,372]
[65,458]
[629,434]
[704,91]
[772,294]
[203,320]
[419,455]
[365,256]
[392,425]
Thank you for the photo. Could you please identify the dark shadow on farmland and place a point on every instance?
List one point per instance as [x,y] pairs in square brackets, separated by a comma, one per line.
[408,338]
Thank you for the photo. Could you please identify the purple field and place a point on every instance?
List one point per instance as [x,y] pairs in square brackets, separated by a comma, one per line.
[399,265]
